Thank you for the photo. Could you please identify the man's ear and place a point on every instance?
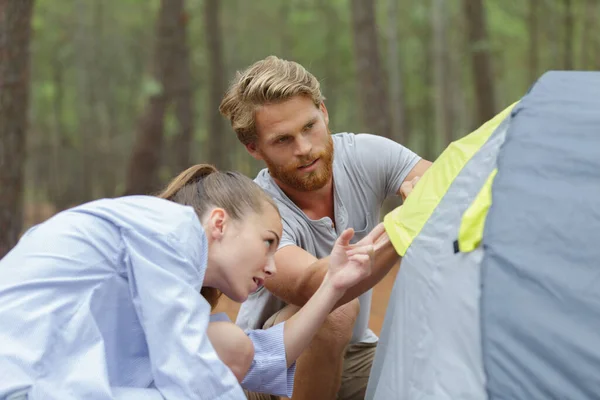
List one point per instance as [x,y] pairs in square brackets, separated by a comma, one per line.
[325,113]
[217,219]
[253,151]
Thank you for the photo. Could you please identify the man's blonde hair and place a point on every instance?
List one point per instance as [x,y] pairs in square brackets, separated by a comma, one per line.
[267,81]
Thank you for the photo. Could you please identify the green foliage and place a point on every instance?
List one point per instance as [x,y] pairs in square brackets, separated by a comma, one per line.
[91,68]
[151,87]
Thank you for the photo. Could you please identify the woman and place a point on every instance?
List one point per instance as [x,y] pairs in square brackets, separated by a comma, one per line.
[101,301]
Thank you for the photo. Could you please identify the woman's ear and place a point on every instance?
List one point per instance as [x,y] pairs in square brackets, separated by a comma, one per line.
[217,219]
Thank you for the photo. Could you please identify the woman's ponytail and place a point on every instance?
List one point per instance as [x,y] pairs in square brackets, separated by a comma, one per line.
[191,175]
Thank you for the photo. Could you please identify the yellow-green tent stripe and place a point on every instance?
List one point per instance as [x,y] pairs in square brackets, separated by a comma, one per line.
[405,222]
[473,221]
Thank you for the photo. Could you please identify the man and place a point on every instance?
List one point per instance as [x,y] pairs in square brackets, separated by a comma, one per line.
[322,184]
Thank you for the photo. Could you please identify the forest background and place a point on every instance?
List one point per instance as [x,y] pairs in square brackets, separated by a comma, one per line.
[100,98]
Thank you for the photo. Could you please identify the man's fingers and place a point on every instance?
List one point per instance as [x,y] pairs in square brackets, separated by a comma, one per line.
[407,187]
[374,234]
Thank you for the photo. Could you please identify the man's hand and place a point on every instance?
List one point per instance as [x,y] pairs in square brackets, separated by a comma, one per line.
[408,187]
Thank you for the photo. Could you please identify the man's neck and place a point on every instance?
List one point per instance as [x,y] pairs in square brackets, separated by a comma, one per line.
[315,204]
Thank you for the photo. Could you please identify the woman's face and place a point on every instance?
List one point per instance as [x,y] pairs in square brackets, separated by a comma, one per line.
[241,253]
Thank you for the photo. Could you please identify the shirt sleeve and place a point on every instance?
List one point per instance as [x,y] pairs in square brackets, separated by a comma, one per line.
[288,238]
[165,286]
[268,372]
[385,163]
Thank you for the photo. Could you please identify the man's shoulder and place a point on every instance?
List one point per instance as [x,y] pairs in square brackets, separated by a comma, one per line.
[266,183]
[351,144]
[343,139]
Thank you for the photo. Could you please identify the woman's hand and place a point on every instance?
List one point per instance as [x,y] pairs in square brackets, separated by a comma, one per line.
[349,264]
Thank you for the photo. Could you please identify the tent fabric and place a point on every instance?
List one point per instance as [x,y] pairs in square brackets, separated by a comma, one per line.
[430,340]
[540,304]
[405,223]
[473,220]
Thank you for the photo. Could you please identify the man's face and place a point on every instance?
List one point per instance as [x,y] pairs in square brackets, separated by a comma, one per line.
[294,141]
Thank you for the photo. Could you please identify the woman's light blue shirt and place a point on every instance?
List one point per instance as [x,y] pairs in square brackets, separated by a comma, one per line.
[103,299]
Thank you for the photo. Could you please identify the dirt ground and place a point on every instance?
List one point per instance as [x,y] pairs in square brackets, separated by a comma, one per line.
[381,296]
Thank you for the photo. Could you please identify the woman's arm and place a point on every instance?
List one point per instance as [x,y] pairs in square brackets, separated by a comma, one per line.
[348,265]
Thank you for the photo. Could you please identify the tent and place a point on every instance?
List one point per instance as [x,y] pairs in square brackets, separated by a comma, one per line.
[498,294]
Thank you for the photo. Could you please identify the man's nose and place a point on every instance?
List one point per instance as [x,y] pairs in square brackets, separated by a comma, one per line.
[303,146]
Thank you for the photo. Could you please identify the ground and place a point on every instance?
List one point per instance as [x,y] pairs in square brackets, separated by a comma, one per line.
[381,296]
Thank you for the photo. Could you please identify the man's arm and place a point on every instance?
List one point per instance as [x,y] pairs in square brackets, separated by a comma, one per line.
[299,273]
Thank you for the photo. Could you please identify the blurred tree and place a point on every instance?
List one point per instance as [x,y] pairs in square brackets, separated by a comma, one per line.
[534,9]
[399,125]
[142,171]
[217,150]
[589,16]
[480,59]
[373,90]
[15,32]
[568,56]
[441,77]
[183,97]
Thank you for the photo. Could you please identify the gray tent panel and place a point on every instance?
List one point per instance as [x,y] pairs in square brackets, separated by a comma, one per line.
[540,305]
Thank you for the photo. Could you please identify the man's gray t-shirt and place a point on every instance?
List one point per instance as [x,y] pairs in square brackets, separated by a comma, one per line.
[366,170]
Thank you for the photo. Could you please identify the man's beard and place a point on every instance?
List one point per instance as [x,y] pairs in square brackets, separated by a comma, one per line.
[292,177]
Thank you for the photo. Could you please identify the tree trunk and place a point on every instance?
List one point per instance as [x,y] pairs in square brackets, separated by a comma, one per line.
[373,91]
[532,22]
[217,151]
[398,121]
[287,39]
[183,98]
[62,190]
[460,108]
[589,17]
[568,37]
[552,40]
[443,103]
[480,60]
[331,25]
[426,109]
[142,172]
[87,127]
[15,33]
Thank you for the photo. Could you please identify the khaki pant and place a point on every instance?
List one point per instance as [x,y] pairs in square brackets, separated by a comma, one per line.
[355,374]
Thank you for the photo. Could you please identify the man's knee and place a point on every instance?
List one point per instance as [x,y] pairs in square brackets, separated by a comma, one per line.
[233,347]
[339,324]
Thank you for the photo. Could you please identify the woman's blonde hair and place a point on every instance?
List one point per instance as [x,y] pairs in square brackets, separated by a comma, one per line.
[271,80]
[203,187]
